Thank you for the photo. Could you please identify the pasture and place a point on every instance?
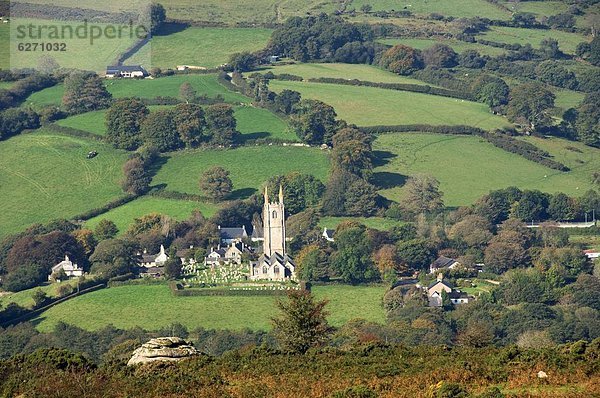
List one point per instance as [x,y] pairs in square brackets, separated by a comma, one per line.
[463,8]
[457,45]
[152,307]
[469,167]
[368,106]
[92,122]
[567,41]
[206,47]
[215,11]
[24,298]
[5,46]
[249,166]
[148,88]
[46,176]
[566,99]
[79,53]
[124,215]
[539,8]
[343,71]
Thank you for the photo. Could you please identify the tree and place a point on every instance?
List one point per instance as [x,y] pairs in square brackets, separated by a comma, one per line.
[86,239]
[300,191]
[440,56]
[352,260]
[173,267]
[190,122]
[221,124]
[106,229]
[500,256]
[314,122]
[302,323]
[594,53]
[553,73]
[524,19]
[366,8]
[15,120]
[549,49]
[472,230]
[313,264]
[123,122]
[531,206]
[160,131]
[402,60]
[416,254]
[114,257]
[152,17]
[85,92]
[243,62]
[216,184]
[39,297]
[531,102]
[561,207]
[352,152]
[136,180]
[348,194]
[286,100]
[587,123]
[28,275]
[422,195]
[187,92]
[491,90]
[471,59]
[387,262]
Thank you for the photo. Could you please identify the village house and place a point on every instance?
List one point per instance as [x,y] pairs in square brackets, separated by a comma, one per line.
[443,262]
[70,269]
[186,256]
[436,289]
[126,71]
[230,235]
[227,256]
[273,264]
[592,254]
[153,260]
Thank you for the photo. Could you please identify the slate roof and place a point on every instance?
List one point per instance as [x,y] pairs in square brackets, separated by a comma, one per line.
[444,281]
[232,232]
[442,262]
[125,68]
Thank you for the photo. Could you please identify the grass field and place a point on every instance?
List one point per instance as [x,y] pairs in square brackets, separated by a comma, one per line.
[567,41]
[124,215]
[343,71]
[380,223]
[368,106]
[24,298]
[152,307]
[228,12]
[457,45]
[45,176]
[462,8]
[590,241]
[5,46]
[468,167]
[6,85]
[252,123]
[249,166]
[207,47]
[147,88]
[79,53]
[566,99]
[539,8]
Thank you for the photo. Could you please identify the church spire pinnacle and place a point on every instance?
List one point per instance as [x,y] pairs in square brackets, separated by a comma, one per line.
[280,193]
[266,195]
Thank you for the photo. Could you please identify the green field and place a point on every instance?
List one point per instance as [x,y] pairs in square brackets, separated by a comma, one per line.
[4,45]
[567,41]
[380,223]
[92,122]
[457,45]
[124,215]
[79,53]
[261,123]
[153,307]
[343,71]
[147,88]
[539,8]
[566,99]
[469,167]
[206,47]
[45,176]
[5,85]
[24,298]
[462,8]
[368,106]
[249,166]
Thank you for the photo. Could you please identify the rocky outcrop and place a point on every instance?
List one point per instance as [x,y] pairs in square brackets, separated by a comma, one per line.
[163,349]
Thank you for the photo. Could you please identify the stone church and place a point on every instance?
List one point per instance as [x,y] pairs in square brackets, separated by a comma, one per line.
[273,264]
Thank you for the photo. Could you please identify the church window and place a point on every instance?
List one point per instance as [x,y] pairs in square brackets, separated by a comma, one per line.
[265,270]
[276,269]
[274,214]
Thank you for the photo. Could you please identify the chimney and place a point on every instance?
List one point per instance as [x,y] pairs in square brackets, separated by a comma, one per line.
[440,277]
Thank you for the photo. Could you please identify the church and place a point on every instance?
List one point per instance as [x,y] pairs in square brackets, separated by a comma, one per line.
[273,264]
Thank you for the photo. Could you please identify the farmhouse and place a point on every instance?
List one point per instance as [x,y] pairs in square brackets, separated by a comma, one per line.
[228,256]
[440,286]
[128,71]
[443,262]
[70,269]
[592,254]
[273,264]
[230,235]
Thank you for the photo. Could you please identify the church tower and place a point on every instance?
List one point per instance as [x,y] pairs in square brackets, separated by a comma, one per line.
[274,225]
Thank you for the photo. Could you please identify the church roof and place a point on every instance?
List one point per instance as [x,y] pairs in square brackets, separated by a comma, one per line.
[232,232]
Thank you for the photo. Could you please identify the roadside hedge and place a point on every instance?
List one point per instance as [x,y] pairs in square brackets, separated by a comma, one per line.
[415,88]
